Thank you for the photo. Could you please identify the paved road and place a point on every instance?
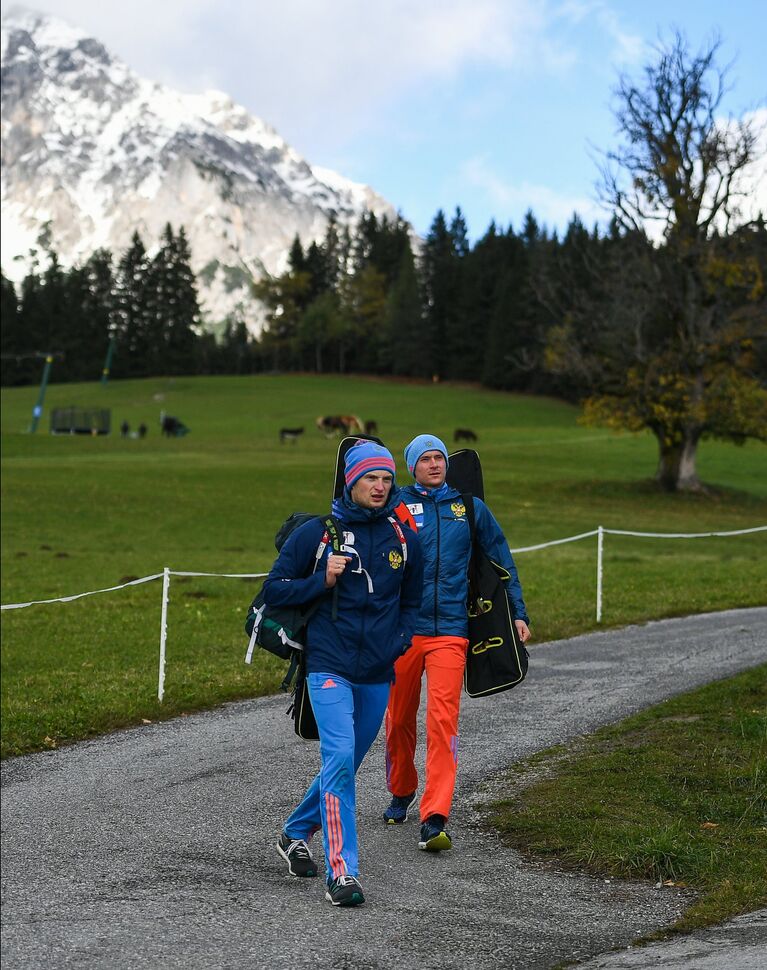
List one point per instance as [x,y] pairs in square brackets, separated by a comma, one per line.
[740,944]
[155,847]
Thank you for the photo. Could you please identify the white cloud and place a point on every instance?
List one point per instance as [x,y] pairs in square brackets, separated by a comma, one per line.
[510,200]
[628,48]
[754,181]
[305,66]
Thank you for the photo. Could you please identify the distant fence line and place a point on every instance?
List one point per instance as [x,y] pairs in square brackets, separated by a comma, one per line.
[600,532]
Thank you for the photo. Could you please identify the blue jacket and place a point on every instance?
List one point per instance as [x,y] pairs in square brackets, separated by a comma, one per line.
[444,533]
[379,593]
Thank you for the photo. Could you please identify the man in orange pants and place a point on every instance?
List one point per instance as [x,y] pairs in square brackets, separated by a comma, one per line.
[437,512]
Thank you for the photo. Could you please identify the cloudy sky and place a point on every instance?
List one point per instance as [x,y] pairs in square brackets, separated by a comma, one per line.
[494,105]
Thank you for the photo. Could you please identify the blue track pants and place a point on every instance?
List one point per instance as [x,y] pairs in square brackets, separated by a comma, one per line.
[348,718]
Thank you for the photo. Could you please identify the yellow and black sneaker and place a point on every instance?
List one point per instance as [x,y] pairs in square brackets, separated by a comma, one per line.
[434,838]
[345,891]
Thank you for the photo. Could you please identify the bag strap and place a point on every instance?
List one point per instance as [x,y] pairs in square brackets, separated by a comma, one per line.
[404,514]
[335,533]
[400,535]
[295,659]
[468,501]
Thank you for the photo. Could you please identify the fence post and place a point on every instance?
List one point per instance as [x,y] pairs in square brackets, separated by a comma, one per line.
[163,631]
[600,551]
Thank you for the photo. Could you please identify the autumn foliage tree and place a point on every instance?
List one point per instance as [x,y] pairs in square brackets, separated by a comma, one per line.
[670,341]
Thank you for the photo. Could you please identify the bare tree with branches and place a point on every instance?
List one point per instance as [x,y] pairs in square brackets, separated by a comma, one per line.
[670,343]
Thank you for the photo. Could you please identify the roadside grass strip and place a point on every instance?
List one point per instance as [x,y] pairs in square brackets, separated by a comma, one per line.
[676,794]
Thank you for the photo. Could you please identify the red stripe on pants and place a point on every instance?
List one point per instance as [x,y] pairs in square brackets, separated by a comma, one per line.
[335,835]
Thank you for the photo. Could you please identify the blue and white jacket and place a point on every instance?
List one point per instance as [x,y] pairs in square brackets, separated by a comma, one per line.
[379,592]
[443,528]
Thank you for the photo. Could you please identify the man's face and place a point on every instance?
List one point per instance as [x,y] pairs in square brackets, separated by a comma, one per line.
[431,469]
[372,490]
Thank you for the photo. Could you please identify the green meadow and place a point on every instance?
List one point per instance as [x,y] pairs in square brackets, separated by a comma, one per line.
[82,513]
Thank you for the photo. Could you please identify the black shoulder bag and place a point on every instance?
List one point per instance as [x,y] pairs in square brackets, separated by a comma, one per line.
[495,659]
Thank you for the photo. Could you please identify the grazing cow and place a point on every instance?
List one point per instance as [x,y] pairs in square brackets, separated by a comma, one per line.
[290,434]
[352,423]
[464,434]
[371,427]
[332,424]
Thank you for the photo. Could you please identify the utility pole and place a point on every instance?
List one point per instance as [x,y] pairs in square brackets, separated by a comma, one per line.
[108,362]
[37,410]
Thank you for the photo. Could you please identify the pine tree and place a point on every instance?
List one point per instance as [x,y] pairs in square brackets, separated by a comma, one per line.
[173,307]
[13,338]
[98,308]
[296,258]
[400,349]
[186,318]
[437,268]
[132,312]
[460,333]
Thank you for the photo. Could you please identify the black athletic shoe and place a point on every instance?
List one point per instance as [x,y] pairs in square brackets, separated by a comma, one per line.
[345,891]
[297,855]
[434,838]
[396,813]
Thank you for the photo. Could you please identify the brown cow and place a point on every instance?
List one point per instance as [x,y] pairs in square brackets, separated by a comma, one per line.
[332,424]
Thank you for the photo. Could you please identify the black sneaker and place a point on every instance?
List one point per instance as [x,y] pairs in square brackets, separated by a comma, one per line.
[434,838]
[297,855]
[396,813]
[345,891]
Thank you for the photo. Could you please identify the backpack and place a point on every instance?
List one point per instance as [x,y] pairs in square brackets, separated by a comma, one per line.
[282,629]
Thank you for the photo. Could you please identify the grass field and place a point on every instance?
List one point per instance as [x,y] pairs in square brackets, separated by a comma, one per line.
[676,794]
[83,513]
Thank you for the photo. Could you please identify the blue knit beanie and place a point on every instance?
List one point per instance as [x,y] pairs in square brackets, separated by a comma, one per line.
[420,444]
[364,457]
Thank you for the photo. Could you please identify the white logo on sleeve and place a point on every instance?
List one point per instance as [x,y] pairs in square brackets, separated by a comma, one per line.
[416,510]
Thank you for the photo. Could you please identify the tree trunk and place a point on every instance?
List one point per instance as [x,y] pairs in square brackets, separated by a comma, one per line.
[676,464]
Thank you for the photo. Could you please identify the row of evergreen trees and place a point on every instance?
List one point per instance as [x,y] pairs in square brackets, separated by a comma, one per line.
[359,301]
[147,306]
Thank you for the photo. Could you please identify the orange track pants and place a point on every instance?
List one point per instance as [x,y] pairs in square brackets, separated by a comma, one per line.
[443,659]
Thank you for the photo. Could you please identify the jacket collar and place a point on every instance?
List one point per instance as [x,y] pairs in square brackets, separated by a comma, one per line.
[444,491]
[348,511]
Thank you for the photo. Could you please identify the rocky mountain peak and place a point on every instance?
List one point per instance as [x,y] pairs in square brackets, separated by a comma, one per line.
[92,152]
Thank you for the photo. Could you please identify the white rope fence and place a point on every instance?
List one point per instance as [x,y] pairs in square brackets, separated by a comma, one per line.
[600,532]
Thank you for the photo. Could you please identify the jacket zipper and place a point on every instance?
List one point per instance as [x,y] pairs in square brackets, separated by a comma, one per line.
[436,571]
[365,607]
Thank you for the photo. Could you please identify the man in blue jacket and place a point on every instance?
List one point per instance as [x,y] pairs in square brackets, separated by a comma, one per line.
[439,646]
[350,651]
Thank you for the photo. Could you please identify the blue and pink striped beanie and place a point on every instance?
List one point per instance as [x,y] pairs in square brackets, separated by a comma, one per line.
[366,457]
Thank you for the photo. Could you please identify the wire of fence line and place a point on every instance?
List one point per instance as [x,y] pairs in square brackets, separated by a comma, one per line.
[600,532]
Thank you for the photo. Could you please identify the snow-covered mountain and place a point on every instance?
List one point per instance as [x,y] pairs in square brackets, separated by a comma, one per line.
[92,152]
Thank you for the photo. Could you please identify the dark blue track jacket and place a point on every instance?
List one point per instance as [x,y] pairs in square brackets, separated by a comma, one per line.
[444,533]
[379,592]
